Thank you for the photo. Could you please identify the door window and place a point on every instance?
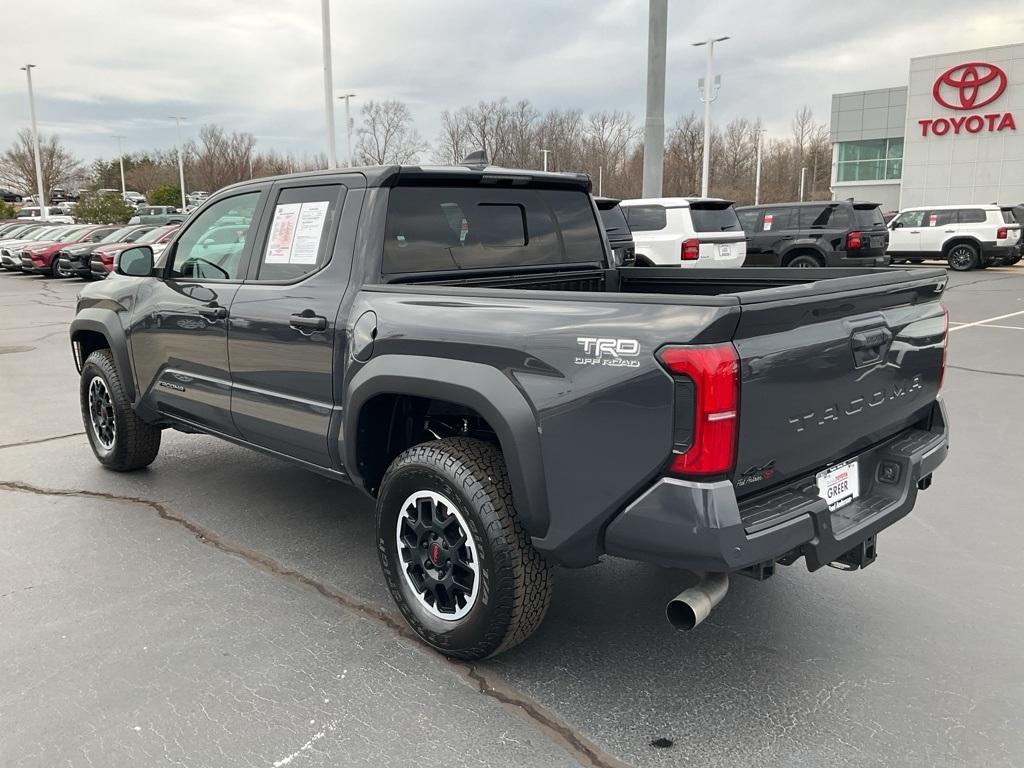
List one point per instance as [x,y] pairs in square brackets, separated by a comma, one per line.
[940,218]
[302,225]
[971,216]
[775,219]
[909,219]
[211,247]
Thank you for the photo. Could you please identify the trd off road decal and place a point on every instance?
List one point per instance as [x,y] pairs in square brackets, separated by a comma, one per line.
[615,353]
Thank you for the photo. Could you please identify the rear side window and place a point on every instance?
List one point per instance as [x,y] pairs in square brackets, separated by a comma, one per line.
[868,217]
[614,220]
[447,228]
[299,242]
[749,219]
[824,216]
[714,217]
[971,216]
[646,218]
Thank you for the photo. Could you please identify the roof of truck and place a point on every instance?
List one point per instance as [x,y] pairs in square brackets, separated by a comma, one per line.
[389,176]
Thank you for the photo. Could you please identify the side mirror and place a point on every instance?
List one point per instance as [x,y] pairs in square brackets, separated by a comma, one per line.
[135,262]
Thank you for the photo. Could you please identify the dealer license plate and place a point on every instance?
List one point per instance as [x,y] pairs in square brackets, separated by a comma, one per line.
[839,485]
[876,242]
[724,252]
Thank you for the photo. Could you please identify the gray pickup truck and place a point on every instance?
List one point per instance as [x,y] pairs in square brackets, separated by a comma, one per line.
[456,343]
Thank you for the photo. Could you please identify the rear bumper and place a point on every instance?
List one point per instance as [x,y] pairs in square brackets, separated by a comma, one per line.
[992,252]
[701,526]
[845,259]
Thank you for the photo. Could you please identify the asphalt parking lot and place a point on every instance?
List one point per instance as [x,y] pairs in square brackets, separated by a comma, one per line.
[222,608]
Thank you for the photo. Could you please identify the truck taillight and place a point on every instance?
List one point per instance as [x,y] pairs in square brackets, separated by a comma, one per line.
[714,373]
[945,343]
[690,250]
[1002,233]
[854,240]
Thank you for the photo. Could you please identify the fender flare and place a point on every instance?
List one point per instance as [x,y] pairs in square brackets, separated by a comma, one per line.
[480,387]
[106,324]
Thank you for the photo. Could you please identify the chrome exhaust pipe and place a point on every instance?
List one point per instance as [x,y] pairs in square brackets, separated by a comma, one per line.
[691,606]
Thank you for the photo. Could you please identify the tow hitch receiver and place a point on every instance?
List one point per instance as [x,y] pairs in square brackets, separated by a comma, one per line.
[860,556]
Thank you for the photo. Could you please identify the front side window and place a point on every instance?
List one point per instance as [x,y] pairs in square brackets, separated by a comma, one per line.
[646,218]
[211,248]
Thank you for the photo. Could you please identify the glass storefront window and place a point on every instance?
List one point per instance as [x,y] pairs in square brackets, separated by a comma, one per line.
[870,160]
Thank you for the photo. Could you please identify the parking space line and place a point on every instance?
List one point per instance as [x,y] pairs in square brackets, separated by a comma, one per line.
[989,320]
[1007,327]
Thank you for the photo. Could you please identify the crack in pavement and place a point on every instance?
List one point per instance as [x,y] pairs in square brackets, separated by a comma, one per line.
[41,440]
[581,748]
[982,370]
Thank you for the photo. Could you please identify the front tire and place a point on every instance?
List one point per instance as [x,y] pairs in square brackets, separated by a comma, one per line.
[120,440]
[962,257]
[455,557]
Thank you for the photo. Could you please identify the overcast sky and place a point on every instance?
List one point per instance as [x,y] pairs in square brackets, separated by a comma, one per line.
[108,67]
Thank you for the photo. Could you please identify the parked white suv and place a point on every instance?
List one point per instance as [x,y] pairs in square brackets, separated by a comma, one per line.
[51,214]
[964,236]
[687,232]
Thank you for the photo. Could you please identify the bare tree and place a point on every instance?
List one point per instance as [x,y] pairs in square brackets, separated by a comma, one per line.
[17,164]
[388,135]
[219,158]
[453,142]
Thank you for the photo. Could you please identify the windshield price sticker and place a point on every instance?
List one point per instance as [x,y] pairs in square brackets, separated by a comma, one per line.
[839,485]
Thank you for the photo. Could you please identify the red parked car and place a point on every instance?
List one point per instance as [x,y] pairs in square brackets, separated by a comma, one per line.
[102,261]
[41,258]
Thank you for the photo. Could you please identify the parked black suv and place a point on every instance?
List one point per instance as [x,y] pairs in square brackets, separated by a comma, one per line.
[835,233]
[620,238]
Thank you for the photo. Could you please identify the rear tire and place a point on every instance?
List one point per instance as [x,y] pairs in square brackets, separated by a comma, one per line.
[962,257]
[804,261]
[120,440]
[455,557]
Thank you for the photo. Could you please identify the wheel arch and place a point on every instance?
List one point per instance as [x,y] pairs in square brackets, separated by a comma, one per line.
[960,240]
[792,250]
[94,329]
[480,389]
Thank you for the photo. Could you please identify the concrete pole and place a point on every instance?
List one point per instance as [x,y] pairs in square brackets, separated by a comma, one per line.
[600,180]
[545,152]
[181,164]
[325,20]
[803,173]
[654,124]
[757,174]
[40,188]
[120,160]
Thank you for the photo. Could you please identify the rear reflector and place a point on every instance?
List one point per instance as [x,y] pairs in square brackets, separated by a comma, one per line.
[690,250]
[714,371]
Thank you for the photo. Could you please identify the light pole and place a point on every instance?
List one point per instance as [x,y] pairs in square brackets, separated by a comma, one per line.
[325,22]
[654,122]
[545,152]
[120,159]
[803,173]
[757,175]
[35,142]
[348,127]
[181,162]
[707,99]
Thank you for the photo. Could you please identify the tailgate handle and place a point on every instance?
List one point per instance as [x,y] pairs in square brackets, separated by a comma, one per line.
[869,346]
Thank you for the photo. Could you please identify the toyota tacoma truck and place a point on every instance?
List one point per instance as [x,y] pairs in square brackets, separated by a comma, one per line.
[457,343]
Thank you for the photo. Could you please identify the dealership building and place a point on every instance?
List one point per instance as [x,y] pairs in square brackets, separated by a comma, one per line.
[953,134]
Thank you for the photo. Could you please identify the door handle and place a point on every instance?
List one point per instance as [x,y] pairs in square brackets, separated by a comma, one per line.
[214,312]
[307,321]
[950,231]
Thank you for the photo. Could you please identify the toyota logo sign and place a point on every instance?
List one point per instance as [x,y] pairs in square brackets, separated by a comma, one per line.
[969,86]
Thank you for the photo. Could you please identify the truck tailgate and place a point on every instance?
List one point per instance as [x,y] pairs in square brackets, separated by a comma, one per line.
[832,367]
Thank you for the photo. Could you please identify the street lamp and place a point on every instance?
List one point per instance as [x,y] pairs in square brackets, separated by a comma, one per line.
[348,127]
[120,159]
[181,163]
[545,152]
[707,98]
[325,23]
[27,69]
[757,175]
